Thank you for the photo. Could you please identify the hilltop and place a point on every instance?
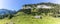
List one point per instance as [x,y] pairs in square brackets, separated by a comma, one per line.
[40,8]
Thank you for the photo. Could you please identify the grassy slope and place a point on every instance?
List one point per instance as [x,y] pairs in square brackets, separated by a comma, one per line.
[4,21]
[29,19]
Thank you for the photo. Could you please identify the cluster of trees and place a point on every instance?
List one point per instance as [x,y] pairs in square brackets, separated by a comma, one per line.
[39,11]
[35,11]
[6,15]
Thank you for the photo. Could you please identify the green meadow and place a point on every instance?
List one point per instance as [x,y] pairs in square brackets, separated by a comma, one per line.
[29,19]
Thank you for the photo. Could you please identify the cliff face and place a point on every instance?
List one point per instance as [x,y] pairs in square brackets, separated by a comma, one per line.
[40,8]
[40,5]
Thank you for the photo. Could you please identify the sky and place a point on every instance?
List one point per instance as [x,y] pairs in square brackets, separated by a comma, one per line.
[17,4]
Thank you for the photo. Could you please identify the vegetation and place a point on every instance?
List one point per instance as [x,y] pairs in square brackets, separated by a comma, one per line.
[26,16]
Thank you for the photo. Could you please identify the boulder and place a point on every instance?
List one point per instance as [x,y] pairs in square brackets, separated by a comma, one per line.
[38,17]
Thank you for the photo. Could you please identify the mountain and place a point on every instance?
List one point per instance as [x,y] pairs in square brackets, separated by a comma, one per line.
[47,18]
[5,12]
[40,8]
[23,18]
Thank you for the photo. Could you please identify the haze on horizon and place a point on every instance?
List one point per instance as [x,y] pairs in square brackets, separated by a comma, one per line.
[17,4]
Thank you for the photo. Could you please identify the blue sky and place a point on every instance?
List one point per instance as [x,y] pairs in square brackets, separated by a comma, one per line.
[17,4]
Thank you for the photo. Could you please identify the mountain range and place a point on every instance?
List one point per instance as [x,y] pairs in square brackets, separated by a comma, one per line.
[5,11]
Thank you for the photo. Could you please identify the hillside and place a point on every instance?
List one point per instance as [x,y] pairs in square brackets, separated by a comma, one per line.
[27,16]
[30,19]
[24,16]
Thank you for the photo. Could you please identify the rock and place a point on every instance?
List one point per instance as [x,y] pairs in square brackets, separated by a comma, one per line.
[38,17]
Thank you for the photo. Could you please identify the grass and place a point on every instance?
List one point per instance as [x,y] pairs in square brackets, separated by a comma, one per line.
[29,19]
[4,21]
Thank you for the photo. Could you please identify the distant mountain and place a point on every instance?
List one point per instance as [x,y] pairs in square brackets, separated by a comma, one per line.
[4,12]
